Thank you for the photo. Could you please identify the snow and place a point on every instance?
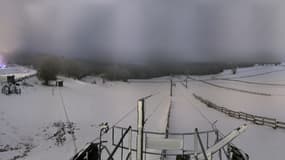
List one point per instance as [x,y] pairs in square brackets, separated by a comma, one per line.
[259,141]
[16,70]
[24,118]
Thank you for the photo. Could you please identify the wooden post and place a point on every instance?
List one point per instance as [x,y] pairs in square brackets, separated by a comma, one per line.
[140,127]
[275,124]
[171,85]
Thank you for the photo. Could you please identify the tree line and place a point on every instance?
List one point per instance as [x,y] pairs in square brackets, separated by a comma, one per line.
[49,66]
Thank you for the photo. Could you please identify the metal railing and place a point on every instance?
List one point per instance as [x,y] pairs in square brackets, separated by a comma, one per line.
[207,139]
[120,143]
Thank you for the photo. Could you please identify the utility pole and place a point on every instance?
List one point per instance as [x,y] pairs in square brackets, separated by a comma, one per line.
[140,127]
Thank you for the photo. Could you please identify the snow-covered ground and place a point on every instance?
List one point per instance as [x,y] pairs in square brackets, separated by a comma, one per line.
[27,121]
[18,71]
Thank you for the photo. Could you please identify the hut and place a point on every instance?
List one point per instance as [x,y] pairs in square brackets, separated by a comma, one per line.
[11,79]
[59,83]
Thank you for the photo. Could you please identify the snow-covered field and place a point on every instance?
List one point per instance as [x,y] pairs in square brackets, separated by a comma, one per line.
[27,121]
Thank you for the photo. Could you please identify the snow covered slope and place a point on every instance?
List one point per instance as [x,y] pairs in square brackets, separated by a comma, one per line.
[28,121]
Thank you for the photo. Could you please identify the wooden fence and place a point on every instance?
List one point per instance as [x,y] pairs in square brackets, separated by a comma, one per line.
[258,120]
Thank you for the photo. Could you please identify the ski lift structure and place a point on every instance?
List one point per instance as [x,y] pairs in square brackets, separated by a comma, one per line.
[196,145]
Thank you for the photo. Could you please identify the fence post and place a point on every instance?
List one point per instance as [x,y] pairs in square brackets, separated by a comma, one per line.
[275,124]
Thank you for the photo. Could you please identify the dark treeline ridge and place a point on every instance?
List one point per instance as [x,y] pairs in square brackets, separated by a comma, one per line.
[78,67]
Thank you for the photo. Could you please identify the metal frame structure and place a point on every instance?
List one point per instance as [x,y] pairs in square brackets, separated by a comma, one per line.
[210,134]
[172,144]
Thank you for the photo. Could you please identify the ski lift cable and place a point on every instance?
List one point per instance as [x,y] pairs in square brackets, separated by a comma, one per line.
[67,119]
[199,111]
[156,108]
[246,76]
[253,82]
[237,89]
[154,93]
[124,116]
[259,74]
[119,121]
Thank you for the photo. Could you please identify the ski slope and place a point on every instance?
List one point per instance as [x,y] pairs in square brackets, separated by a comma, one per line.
[28,119]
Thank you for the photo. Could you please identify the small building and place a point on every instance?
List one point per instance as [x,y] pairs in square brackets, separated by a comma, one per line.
[59,83]
[11,79]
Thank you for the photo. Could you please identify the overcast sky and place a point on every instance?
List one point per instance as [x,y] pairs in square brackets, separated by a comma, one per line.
[188,30]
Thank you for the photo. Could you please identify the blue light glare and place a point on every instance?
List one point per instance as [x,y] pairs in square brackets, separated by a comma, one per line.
[2,66]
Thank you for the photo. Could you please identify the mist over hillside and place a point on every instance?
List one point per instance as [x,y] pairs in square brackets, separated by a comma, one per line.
[79,67]
[136,32]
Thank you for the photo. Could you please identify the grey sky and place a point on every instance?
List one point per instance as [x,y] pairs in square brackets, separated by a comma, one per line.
[188,30]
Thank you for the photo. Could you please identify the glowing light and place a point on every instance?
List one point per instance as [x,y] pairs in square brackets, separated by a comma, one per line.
[2,66]
[2,63]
